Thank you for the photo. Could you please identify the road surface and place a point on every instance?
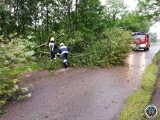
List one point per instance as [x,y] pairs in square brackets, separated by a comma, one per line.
[81,93]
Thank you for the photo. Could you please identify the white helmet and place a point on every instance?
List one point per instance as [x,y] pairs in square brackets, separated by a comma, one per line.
[62,44]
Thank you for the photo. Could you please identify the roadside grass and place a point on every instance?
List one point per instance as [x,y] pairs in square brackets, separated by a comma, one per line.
[155,60]
[138,101]
[157,57]
[158,117]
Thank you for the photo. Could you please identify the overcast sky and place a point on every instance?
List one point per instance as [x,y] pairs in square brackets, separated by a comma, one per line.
[130,3]
[132,6]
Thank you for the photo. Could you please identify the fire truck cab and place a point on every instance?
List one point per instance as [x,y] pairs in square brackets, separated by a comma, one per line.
[141,41]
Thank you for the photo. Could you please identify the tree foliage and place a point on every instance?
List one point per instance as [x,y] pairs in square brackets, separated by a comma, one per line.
[133,21]
[117,15]
[111,50]
[41,17]
[150,9]
[114,10]
[14,60]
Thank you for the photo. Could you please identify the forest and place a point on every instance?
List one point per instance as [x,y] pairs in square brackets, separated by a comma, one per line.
[97,35]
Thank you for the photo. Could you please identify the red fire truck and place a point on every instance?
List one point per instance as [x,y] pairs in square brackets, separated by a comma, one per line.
[141,41]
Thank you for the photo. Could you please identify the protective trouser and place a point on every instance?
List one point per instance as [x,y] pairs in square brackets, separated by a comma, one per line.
[53,55]
[64,58]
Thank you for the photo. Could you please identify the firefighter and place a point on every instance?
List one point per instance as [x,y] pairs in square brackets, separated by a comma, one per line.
[63,50]
[52,47]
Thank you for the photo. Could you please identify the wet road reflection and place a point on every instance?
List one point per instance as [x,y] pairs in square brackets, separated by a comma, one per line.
[137,62]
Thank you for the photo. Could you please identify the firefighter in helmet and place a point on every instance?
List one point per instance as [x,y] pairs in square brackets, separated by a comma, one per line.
[63,50]
[53,47]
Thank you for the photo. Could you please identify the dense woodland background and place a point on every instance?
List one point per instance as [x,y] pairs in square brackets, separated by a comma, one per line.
[97,35]
[41,17]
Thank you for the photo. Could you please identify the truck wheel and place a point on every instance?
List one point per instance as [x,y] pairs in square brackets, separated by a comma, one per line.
[145,49]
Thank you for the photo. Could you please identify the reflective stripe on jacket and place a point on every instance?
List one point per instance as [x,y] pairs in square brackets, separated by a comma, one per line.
[63,49]
[51,46]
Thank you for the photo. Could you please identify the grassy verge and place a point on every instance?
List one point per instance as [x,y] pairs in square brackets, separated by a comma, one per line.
[156,58]
[156,61]
[158,117]
[137,102]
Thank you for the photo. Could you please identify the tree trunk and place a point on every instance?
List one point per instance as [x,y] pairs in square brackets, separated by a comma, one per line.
[35,18]
[47,18]
[76,20]
[17,16]
[69,17]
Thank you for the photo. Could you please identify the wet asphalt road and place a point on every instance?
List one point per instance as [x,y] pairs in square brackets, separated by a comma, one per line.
[81,93]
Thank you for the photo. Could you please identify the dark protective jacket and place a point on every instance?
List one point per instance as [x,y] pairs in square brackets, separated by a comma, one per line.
[63,49]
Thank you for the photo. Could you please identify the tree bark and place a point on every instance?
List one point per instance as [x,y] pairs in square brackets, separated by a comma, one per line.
[17,16]
[76,20]
[69,16]
[35,18]
[47,18]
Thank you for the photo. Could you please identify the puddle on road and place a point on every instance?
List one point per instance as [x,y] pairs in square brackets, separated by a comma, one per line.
[137,60]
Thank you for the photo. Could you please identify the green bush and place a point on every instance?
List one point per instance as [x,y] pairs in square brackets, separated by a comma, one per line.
[16,58]
[45,63]
[111,50]
[87,50]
